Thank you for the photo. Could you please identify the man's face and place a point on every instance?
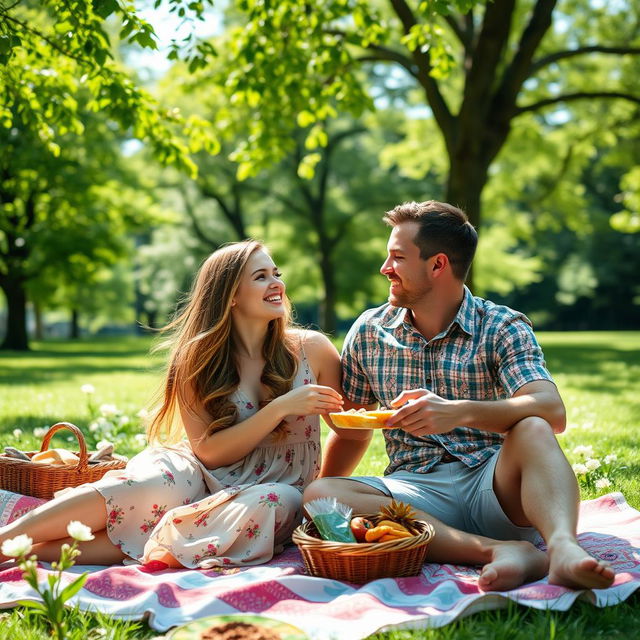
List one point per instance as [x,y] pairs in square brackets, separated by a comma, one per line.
[406,270]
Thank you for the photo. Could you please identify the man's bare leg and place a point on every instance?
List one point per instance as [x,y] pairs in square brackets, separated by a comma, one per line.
[508,563]
[548,499]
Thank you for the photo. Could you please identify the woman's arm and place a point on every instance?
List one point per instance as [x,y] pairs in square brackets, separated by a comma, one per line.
[344,448]
[229,445]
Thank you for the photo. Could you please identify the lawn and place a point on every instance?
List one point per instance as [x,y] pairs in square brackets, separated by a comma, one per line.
[597,374]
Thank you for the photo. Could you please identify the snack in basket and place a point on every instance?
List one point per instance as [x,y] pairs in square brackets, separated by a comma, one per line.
[360,526]
[398,513]
[56,457]
[332,519]
[392,522]
[361,419]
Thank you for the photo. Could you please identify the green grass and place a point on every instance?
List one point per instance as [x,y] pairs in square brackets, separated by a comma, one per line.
[597,374]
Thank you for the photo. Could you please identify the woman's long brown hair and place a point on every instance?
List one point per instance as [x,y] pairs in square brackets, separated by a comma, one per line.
[202,350]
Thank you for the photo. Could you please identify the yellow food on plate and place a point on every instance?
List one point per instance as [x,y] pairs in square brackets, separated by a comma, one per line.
[361,419]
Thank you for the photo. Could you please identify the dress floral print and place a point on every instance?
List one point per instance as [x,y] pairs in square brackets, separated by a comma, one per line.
[166,501]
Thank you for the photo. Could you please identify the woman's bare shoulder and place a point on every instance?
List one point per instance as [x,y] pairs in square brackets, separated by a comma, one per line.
[312,341]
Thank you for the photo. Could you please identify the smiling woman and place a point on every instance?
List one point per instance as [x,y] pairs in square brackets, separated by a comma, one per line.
[235,439]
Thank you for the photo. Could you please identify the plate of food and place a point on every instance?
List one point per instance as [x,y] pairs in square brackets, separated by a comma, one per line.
[230,627]
[361,419]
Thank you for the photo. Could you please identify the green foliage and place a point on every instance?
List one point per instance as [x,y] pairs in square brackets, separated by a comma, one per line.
[50,52]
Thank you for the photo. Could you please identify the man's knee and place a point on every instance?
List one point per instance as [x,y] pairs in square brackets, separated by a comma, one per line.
[324,488]
[531,429]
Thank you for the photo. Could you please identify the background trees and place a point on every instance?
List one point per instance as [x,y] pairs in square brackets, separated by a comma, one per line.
[300,123]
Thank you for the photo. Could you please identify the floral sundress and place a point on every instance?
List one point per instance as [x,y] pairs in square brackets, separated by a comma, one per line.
[166,501]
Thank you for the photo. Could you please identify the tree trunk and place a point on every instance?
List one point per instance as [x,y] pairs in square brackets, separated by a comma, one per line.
[328,304]
[74,325]
[37,314]
[467,178]
[16,336]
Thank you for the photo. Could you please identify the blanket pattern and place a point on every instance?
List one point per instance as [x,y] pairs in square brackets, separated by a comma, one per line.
[331,610]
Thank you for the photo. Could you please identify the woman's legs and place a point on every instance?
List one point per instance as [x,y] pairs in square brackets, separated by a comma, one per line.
[47,524]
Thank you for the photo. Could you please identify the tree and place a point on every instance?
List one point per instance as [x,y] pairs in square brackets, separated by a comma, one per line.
[50,51]
[480,66]
[61,218]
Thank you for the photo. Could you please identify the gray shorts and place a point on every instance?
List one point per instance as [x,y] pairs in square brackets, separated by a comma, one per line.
[459,496]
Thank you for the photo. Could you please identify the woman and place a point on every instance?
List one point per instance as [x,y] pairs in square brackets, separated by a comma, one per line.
[247,390]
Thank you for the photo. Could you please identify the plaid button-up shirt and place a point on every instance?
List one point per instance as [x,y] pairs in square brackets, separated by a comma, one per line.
[487,353]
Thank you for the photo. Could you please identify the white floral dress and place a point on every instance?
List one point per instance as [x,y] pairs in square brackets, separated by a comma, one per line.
[167,501]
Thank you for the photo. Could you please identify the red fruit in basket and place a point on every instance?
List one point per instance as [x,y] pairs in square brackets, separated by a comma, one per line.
[359,527]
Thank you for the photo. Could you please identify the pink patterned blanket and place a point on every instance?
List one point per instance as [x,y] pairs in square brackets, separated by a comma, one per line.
[609,528]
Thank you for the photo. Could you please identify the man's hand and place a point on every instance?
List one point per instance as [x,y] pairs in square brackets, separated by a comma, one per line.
[425,413]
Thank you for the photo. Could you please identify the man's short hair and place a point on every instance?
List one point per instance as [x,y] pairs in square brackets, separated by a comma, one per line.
[443,228]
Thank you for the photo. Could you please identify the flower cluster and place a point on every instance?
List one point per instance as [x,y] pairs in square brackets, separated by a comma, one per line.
[109,424]
[52,592]
[592,472]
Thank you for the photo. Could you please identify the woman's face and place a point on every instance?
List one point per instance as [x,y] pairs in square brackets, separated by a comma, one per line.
[261,291]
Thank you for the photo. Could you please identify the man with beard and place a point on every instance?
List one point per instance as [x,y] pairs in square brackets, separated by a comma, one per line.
[472,445]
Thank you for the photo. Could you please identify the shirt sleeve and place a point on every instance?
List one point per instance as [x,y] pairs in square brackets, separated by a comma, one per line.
[355,382]
[519,357]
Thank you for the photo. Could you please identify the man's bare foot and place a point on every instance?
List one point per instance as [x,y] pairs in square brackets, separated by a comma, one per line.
[513,563]
[571,566]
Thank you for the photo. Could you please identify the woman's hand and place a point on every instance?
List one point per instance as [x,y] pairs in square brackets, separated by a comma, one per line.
[309,399]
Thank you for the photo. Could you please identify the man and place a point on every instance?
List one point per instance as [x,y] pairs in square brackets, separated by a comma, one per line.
[472,445]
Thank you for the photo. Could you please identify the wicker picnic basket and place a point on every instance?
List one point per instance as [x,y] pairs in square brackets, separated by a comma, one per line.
[43,480]
[361,562]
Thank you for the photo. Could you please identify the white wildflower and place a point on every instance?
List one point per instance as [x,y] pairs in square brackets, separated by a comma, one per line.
[123,420]
[108,410]
[592,464]
[143,414]
[39,432]
[17,433]
[18,546]
[583,450]
[603,483]
[580,469]
[612,457]
[88,389]
[140,439]
[79,531]
[102,424]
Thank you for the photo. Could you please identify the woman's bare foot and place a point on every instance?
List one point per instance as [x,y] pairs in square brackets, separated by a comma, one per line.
[571,566]
[513,563]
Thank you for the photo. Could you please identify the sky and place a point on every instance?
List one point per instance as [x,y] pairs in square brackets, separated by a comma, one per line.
[152,64]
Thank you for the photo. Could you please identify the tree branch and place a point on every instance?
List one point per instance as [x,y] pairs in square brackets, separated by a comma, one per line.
[569,97]
[562,55]
[287,202]
[492,40]
[459,30]
[436,100]
[384,54]
[195,222]
[50,42]
[520,67]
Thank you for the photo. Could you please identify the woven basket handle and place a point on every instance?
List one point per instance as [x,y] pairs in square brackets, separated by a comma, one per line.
[84,458]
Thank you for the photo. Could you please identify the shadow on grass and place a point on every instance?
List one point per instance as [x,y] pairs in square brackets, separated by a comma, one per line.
[577,359]
[55,361]
[47,374]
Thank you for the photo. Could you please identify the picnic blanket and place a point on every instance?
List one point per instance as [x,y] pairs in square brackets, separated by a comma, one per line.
[327,609]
